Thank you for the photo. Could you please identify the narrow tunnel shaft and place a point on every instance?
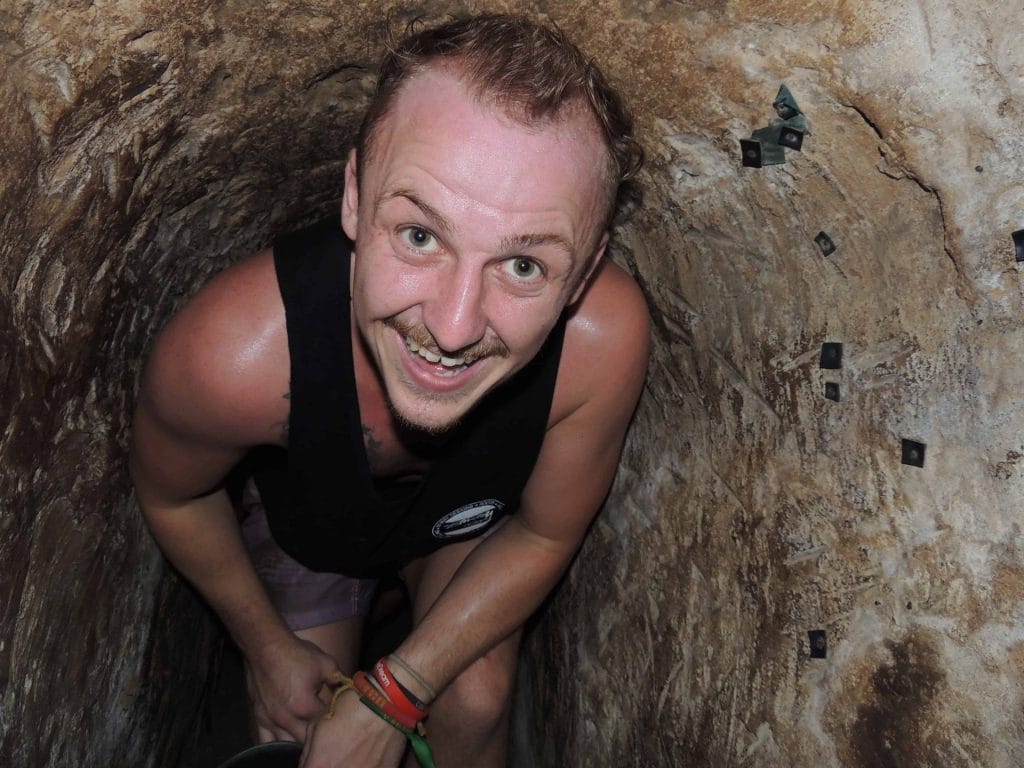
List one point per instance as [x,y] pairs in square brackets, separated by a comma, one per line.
[809,557]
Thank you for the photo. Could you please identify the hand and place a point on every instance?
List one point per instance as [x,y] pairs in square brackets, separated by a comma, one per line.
[286,688]
[354,736]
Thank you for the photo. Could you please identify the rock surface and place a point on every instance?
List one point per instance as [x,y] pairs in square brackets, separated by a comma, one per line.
[143,146]
[750,509]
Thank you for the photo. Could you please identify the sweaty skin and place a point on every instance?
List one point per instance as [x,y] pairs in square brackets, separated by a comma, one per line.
[472,233]
[474,230]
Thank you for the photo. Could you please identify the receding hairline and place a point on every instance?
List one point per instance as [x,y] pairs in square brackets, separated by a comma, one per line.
[573,108]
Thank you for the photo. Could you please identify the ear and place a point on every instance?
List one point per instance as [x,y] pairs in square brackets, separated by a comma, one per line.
[350,197]
[595,259]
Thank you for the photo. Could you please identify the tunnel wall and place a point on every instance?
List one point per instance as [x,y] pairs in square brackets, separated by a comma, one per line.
[752,510]
[144,146]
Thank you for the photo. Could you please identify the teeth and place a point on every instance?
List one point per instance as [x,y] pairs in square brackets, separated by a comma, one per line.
[433,357]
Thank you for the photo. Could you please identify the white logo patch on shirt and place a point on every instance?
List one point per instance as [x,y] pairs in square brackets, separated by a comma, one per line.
[467,519]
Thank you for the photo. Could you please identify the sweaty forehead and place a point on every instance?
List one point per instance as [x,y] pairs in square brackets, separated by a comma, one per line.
[441,98]
[440,130]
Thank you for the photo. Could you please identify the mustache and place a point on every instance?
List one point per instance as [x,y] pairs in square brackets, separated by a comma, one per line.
[420,335]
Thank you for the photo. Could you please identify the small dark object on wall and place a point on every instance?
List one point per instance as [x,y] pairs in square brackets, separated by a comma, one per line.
[832,391]
[831,355]
[768,145]
[751,153]
[1018,244]
[785,105]
[825,243]
[772,153]
[912,453]
[818,643]
[791,138]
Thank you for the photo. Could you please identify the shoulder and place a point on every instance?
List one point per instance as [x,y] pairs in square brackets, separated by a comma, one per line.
[221,365]
[607,342]
[600,377]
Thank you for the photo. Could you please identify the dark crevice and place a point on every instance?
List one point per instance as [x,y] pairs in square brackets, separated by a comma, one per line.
[963,287]
[143,33]
[866,119]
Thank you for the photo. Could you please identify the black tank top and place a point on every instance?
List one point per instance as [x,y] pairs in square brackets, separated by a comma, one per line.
[322,503]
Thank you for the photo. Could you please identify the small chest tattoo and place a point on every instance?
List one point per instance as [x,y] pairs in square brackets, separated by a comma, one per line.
[374,450]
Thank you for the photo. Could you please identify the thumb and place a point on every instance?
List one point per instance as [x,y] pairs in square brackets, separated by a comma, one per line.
[335,683]
[332,678]
[330,670]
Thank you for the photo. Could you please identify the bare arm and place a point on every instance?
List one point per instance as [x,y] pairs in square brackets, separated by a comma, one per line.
[506,578]
[503,581]
[214,387]
[196,526]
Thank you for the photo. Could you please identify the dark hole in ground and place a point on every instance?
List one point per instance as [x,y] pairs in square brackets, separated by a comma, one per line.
[224,722]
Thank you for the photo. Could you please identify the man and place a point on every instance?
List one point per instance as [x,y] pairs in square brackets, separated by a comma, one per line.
[453,388]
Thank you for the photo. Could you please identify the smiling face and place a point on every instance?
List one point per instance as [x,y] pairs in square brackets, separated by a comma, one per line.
[472,233]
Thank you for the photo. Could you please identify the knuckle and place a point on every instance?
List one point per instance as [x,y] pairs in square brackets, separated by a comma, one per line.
[278,716]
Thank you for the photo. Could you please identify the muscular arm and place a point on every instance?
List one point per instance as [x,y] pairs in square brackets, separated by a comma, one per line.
[506,578]
[195,526]
[213,388]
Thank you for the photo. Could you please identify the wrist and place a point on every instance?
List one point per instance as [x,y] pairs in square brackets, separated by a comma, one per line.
[409,680]
[403,699]
[394,715]
[384,705]
[266,646]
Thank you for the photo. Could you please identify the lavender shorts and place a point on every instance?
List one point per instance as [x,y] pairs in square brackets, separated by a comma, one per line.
[303,597]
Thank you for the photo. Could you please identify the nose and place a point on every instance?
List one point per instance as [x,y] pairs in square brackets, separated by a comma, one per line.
[454,315]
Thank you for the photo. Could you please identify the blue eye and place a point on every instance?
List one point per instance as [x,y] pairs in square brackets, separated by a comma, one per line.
[523,268]
[419,238]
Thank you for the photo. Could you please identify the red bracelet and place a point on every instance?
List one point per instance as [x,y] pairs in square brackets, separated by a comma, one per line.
[367,690]
[394,691]
[416,702]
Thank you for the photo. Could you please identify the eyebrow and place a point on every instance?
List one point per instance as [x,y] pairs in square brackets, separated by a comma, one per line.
[437,219]
[510,243]
[518,242]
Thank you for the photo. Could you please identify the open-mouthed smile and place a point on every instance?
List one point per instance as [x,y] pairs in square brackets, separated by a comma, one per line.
[444,366]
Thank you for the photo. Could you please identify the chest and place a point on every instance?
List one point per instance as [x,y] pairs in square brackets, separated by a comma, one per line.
[391,454]
[387,456]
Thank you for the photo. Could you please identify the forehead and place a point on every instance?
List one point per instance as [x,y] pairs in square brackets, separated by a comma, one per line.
[439,132]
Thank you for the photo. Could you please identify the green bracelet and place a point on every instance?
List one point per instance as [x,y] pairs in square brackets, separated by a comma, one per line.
[417,741]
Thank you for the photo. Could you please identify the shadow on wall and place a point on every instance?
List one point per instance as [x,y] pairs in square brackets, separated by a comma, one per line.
[142,153]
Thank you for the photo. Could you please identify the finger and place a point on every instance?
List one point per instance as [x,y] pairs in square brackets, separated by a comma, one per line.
[325,694]
[283,735]
[264,734]
[307,759]
[305,710]
[331,672]
[290,728]
[284,721]
[262,720]
[298,733]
